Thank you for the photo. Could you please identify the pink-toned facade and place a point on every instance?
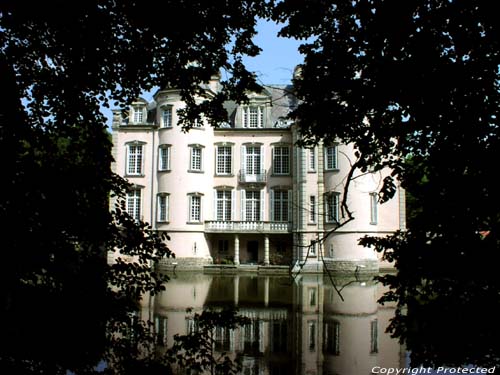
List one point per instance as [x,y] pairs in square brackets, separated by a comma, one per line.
[244,192]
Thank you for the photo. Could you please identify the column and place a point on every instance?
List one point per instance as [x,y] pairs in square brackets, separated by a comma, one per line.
[266,291]
[266,250]
[236,250]
[236,284]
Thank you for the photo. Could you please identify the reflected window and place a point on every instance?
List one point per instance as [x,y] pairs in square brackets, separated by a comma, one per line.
[161,329]
[279,335]
[374,336]
[222,338]
[312,296]
[331,339]
[312,335]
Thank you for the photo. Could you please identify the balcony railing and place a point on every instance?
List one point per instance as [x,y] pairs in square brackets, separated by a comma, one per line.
[251,178]
[218,226]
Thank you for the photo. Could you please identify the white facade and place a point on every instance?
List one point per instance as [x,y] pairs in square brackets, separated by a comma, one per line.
[244,192]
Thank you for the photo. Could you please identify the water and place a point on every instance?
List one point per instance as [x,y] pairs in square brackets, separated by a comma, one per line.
[297,327]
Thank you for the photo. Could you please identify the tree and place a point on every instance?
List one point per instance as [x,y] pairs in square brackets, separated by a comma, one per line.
[417,80]
[58,62]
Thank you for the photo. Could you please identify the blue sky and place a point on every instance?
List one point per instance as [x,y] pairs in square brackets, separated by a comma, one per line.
[274,65]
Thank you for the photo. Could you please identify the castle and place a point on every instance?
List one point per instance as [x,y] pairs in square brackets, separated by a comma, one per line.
[244,192]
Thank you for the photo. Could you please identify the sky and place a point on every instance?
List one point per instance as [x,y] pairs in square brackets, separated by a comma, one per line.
[274,65]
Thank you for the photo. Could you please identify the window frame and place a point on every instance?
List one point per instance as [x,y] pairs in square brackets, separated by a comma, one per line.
[164,110]
[335,204]
[195,159]
[138,159]
[281,161]
[226,203]
[247,116]
[195,213]
[224,161]
[161,166]
[136,210]
[331,161]
[159,211]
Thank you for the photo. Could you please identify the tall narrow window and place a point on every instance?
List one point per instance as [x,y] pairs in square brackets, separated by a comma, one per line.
[331,162]
[331,339]
[312,209]
[312,335]
[162,207]
[133,203]
[280,205]
[134,159]
[195,164]
[253,117]
[223,205]
[224,160]
[281,160]
[161,329]
[332,207]
[253,160]
[194,208]
[164,158]
[252,205]
[373,208]
[312,248]
[312,159]
[166,117]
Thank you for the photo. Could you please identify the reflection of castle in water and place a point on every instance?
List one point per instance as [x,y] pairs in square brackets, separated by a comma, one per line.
[300,327]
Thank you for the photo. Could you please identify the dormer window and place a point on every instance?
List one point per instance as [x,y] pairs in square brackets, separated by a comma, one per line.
[253,116]
[138,114]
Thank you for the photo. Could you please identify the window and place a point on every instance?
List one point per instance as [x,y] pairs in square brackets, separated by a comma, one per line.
[223,205]
[161,329]
[138,114]
[312,296]
[280,205]
[312,209]
[312,335]
[331,158]
[281,160]
[164,158]
[166,117]
[312,248]
[223,160]
[312,160]
[252,205]
[133,203]
[134,159]
[195,163]
[253,117]
[194,208]
[331,340]
[252,163]
[332,207]
[373,208]
[162,207]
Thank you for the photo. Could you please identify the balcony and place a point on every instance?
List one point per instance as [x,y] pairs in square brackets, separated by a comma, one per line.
[220,226]
[245,177]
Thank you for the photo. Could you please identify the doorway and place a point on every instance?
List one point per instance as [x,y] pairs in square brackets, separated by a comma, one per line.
[253,251]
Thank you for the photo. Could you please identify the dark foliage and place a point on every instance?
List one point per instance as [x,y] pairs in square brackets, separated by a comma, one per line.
[62,307]
[418,80]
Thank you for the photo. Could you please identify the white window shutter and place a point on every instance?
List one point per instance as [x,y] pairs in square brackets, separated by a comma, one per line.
[262,204]
[214,213]
[290,197]
[271,207]
[262,160]
[242,217]
[233,204]
[243,158]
